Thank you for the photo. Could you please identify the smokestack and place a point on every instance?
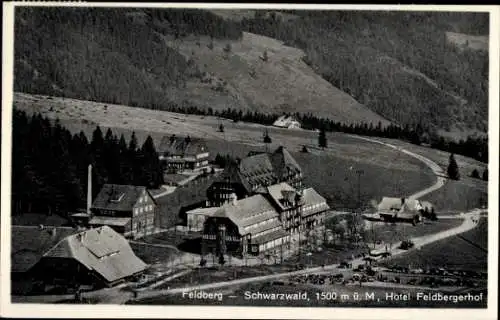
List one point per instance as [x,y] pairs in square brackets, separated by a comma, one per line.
[89,189]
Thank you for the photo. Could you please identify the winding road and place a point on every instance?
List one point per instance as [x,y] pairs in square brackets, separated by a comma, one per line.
[470,221]
[438,171]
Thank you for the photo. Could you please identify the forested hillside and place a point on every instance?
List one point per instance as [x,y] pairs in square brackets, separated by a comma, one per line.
[112,55]
[49,164]
[398,65]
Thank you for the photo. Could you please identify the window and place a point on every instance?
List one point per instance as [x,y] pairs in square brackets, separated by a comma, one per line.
[141,209]
[136,211]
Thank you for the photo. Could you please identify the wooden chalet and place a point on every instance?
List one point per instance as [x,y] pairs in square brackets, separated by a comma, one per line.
[180,154]
[401,209]
[69,257]
[96,256]
[129,210]
[241,227]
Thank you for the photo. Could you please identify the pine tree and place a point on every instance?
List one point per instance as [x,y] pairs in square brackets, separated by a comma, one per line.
[322,141]
[475,174]
[151,171]
[453,172]
[267,138]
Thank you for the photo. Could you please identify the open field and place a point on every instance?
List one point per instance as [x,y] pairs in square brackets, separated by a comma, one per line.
[387,172]
[452,253]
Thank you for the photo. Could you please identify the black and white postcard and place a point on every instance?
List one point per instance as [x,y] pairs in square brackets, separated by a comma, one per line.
[249,161]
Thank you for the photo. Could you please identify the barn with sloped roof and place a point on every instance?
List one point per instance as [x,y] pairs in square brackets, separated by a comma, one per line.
[95,256]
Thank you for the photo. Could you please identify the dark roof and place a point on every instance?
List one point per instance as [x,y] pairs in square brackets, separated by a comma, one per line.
[102,250]
[283,161]
[29,243]
[261,169]
[311,198]
[118,197]
[182,146]
[232,175]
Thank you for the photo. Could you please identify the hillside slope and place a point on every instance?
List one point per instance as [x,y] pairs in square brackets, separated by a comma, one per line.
[158,58]
[261,74]
[402,65]
[426,68]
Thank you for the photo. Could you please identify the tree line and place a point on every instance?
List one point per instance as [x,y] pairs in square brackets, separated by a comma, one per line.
[49,164]
[474,147]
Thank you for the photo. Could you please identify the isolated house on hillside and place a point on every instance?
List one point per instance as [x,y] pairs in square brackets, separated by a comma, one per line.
[288,122]
[95,256]
[129,210]
[180,154]
[254,172]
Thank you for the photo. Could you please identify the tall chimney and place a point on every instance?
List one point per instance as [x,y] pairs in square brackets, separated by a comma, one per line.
[89,189]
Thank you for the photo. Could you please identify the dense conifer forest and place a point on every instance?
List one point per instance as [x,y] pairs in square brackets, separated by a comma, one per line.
[49,164]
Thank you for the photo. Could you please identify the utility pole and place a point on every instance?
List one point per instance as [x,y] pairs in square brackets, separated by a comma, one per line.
[359,173]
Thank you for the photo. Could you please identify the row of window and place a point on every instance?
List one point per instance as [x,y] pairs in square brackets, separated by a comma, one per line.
[143,199]
[143,223]
[272,244]
[314,206]
[291,223]
[290,213]
[139,210]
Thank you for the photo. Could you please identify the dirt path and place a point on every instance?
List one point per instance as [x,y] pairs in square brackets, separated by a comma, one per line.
[470,222]
[438,171]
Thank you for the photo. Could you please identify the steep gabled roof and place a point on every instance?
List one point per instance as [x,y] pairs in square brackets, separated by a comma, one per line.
[29,243]
[118,197]
[247,211]
[232,175]
[396,205]
[312,197]
[261,169]
[102,250]
[182,146]
[256,165]
[282,161]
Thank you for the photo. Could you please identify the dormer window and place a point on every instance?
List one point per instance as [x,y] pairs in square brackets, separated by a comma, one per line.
[117,197]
